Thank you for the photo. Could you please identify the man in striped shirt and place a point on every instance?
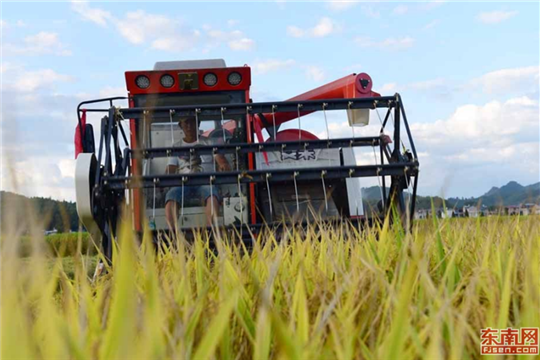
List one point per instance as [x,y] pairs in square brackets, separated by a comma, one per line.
[187,164]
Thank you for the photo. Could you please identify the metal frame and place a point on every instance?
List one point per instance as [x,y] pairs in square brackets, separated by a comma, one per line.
[111,182]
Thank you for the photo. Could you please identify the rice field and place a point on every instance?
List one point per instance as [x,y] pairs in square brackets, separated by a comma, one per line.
[319,293]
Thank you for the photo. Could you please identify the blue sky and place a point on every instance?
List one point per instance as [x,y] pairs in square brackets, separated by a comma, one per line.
[468,74]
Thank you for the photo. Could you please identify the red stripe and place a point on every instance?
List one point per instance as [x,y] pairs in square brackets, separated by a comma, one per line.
[78,139]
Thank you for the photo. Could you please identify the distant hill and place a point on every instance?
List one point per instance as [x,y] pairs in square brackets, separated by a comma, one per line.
[46,213]
[512,193]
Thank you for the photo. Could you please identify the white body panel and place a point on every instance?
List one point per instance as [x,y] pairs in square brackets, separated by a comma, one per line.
[196,216]
[190,64]
[235,209]
[358,117]
[192,217]
[85,168]
[318,158]
[298,159]
[160,136]
[354,190]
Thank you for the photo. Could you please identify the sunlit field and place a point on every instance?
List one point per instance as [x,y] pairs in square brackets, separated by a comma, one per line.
[322,293]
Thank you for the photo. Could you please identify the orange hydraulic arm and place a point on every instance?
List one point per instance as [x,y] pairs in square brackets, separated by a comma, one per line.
[351,86]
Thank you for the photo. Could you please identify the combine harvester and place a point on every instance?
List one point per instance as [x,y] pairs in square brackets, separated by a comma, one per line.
[292,175]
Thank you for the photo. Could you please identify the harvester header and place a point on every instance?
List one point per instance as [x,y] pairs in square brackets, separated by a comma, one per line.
[196,155]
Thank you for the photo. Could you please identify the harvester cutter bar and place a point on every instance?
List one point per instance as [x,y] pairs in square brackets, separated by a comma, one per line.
[259,176]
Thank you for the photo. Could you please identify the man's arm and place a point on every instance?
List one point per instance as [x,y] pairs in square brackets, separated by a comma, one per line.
[172,165]
[223,163]
[171,169]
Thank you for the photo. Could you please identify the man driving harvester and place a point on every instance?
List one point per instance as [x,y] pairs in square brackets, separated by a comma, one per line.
[186,164]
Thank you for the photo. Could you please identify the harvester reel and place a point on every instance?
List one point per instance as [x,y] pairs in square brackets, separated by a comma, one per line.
[103,183]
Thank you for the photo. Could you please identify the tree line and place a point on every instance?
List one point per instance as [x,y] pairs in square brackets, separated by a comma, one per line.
[44,213]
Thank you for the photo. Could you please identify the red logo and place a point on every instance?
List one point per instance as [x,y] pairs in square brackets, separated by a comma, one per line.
[509,341]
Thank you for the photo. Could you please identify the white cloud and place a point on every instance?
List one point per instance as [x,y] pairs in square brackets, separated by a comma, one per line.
[95,15]
[370,11]
[341,5]
[431,5]
[484,124]
[394,44]
[324,27]
[7,66]
[431,24]
[40,157]
[495,17]
[315,73]
[509,80]
[242,44]
[400,10]
[5,25]
[30,81]
[43,176]
[428,85]
[41,43]
[295,31]
[504,81]
[265,66]
[439,88]
[166,33]
[280,3]
[111,91]
[389,88]
[236,39]
[354,68]
[485,144]
[139,27]
[67,168]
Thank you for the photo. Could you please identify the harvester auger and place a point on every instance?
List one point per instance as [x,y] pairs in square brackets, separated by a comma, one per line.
[291,176]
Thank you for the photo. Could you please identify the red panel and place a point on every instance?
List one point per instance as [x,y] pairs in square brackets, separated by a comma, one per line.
[292,135]
[156,88]
[251,164]
[79,134]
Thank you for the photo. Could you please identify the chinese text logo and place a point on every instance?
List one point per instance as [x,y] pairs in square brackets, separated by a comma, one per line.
[509,341]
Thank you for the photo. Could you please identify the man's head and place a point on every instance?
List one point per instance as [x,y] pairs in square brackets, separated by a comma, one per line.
[188,125]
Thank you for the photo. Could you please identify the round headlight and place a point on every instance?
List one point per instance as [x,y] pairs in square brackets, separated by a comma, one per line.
[234,78]
[210,79]
[142,81]
[167,81]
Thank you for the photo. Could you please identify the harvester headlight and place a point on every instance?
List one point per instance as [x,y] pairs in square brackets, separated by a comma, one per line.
[143,82]
[234,78]
[167,81]
[210,79]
